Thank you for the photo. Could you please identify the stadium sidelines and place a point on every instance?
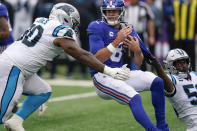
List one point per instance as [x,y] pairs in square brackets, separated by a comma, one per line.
[66,82]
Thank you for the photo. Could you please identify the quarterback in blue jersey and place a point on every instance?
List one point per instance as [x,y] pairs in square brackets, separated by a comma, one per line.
[109,39]
[6,37]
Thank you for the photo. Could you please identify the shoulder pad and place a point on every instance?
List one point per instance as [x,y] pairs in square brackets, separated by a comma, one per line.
[41,20]
[95,27]
[64,31]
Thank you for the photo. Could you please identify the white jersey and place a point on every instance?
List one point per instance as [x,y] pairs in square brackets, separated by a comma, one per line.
[35,47]
[184,100]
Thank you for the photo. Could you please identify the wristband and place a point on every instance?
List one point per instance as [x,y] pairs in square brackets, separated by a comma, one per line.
[111,48]
[170,94]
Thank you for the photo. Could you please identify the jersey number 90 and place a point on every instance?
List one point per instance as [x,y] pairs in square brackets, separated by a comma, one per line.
[32,35]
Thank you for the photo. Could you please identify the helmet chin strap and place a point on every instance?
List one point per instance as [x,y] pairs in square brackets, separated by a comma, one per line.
[184,75]
[112,23]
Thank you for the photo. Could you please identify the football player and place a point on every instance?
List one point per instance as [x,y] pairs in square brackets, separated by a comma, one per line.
[43,41]
[180,86]
[6,37]
[108,38]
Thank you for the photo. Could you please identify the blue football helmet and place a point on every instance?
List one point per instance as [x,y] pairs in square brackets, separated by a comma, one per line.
[113,5]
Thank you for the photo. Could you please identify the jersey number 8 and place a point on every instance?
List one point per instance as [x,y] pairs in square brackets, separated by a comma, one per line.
[116,56]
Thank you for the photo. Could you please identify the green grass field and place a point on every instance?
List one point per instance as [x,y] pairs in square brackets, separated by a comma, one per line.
[93,114]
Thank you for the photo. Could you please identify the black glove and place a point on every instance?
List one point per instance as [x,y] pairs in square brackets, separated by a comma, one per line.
[150,59]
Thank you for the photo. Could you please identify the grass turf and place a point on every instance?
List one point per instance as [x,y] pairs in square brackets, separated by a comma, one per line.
[93,114]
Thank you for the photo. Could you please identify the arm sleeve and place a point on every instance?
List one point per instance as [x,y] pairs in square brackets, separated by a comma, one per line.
[95,43]
[95,37]
[145,51]
[3,11]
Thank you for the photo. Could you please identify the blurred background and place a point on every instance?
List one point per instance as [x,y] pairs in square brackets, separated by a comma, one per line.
[161,24]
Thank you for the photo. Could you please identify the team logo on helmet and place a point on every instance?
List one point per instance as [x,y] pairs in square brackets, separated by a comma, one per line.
[179,52]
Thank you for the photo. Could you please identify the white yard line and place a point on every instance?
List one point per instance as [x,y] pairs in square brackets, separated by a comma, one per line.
[66,82]
[70,97]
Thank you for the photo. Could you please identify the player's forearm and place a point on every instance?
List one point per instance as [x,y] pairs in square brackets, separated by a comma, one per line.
[168,85]
[89,59]
[85,57]
[138,58]
[103,54]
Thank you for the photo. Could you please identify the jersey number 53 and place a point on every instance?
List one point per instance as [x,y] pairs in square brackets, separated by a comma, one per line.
[191,92]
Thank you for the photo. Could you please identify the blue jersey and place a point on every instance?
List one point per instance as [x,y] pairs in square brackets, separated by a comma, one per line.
[4,13]
[101,35]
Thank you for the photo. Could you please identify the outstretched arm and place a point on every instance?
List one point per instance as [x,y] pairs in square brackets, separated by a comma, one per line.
[87,58]
[168,85]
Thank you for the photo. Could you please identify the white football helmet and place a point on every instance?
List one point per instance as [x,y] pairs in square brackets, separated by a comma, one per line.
[66,14]
[174,55]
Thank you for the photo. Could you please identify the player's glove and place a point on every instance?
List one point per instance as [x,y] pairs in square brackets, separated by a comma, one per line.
[125,67]
[150,59]
[117,73]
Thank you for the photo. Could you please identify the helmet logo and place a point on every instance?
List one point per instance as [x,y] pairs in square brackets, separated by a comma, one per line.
[180,52]
[110,3]
[67,9]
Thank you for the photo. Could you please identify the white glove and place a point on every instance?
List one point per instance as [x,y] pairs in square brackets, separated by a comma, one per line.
[124,67]
[117,73]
